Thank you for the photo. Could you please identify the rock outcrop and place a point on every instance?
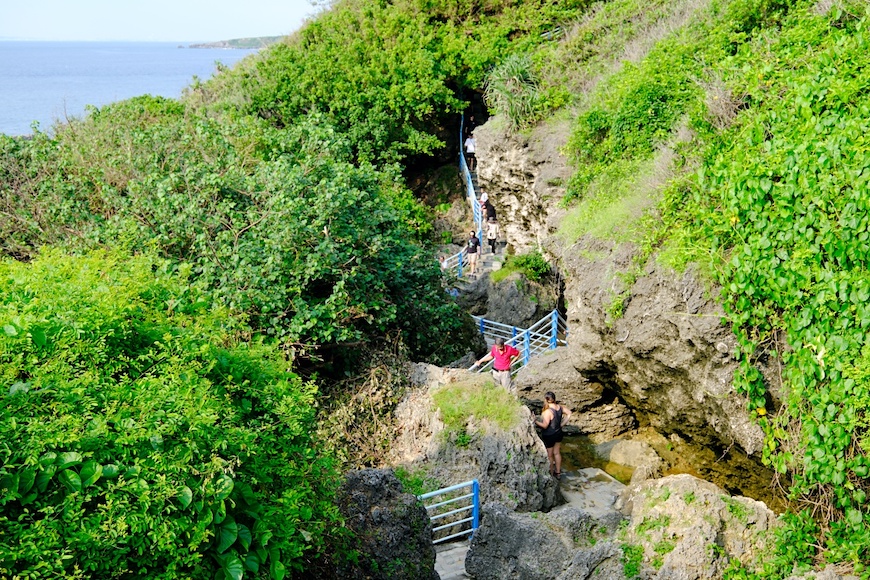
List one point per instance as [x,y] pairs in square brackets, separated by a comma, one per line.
[511,466]
[596,411]
[690,529]
[678,527]
[525,176]
[638,455]
[669,356]
[514,300]
[536,546]
[392,531]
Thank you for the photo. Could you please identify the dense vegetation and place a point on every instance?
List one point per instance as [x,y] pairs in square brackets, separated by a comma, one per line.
[279,224]
[169,265]
[760,111]
[142,436]
[210,248]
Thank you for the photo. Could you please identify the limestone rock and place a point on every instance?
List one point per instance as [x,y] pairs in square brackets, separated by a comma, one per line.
[668,358]
[600,561]
[523,546]
[661,356]
[637,454]
[392,529]
[556,371]
[525,176]
[692,529]
[514,301]
[829,573]
[595,411]
[511,467]
[464,362]
[518,302]
[596,493]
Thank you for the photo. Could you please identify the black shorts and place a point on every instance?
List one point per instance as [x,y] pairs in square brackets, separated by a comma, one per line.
[551,440]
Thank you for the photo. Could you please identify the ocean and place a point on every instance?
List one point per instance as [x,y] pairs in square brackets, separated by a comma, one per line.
[46,81]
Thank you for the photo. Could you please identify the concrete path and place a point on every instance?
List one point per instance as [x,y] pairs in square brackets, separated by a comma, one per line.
[450,560]
[486,263]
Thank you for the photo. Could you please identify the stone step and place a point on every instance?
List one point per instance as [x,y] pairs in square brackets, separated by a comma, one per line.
[450,560]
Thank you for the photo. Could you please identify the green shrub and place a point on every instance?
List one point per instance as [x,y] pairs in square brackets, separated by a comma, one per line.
[386,73]
[416,480]
[279,225]
[478,398]
[532,265]
[632,560]
[142,437]
[511,90]
[778,207]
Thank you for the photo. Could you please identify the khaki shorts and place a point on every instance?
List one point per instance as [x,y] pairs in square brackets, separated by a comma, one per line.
[504,379]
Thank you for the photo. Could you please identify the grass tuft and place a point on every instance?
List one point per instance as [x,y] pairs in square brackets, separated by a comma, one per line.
[479,399]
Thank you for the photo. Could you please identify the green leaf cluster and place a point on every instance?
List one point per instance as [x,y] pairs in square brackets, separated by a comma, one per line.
[140,437]
[278,224]
[782,198]
[769,195]
[477,399]
[387,73]
[532,265]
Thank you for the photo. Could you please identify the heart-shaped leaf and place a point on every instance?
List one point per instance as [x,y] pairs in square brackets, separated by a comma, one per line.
[70,479]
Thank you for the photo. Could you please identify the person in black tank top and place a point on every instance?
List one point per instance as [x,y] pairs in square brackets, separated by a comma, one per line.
[552,418]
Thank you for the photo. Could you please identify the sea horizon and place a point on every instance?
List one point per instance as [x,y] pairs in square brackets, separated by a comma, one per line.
[45,81]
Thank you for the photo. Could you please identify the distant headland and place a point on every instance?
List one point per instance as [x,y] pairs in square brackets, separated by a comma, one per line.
[257,42]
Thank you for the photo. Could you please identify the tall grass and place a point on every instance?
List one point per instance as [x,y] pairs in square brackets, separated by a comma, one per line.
[477,399]
[511,90]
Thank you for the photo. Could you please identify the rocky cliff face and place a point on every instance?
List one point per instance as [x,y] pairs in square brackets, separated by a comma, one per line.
[525,176]
[668,357]
[392,531]
[514,300]
[511,466]
[677,527]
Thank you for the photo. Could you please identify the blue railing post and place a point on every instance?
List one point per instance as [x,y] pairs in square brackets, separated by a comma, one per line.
[459,273]
[482,329]
[475,512]
[513,331]
[554,328]
[439,510]
[526,348]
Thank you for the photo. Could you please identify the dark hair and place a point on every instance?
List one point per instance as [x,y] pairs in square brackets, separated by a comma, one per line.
[550,396]
[499,341]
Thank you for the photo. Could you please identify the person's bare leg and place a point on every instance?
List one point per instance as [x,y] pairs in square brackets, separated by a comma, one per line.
[557,457]
[551,460]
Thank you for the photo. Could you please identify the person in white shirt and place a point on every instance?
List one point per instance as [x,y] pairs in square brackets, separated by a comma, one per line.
[469,152]
[492,234]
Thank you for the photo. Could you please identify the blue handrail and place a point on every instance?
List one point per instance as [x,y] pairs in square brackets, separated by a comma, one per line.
[457,261]
[469,184]
[438,513]
[549,332]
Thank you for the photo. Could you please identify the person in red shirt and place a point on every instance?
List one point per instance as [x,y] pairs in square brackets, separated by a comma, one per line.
[503,356]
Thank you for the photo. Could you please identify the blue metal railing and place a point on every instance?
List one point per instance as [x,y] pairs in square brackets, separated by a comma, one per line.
[470,192]
[440,510]
[457,261]
[546,334]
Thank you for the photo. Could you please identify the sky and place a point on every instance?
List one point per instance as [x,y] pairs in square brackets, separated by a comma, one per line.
[150,20]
